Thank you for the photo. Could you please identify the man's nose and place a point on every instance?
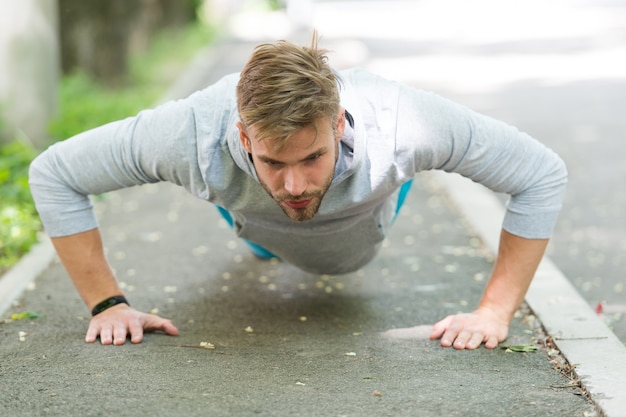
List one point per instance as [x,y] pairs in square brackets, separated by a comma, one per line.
[295,181]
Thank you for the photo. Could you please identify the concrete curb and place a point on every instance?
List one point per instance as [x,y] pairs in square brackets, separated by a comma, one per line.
[17,279]
[598,356]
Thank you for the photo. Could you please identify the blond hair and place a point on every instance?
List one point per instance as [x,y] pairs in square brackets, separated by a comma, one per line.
[285,87]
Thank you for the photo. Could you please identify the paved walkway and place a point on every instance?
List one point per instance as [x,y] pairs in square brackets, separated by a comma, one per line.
[289,343]
[286,343]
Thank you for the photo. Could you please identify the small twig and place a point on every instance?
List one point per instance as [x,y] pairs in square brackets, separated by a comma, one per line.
[573,384]
[581,338]
[198,347]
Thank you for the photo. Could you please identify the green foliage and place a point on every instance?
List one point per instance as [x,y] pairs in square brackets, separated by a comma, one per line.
[15,158]
[84,104]
[520,348]
[19,222]
[274,4]
[169,54]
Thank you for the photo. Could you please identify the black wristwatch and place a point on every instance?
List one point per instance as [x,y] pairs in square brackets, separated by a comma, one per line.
[108,303]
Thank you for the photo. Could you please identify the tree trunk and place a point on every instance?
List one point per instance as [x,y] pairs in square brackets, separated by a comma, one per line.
[95,36]
[29,69]
[159,14]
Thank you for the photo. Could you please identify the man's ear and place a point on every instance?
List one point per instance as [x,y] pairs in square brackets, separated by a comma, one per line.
[340,125]
[244,138]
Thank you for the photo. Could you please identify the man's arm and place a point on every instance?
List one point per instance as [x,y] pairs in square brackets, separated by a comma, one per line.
[83,256]
[513,271]
[443,135]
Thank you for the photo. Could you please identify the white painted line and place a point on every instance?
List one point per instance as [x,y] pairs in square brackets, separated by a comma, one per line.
[17,279]
[586,342]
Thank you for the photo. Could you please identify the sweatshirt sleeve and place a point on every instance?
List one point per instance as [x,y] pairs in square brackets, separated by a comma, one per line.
[440,134]
[156,145]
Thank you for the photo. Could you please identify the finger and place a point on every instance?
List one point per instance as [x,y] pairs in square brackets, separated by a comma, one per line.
[491,342]
[475,341]
[154,323]
[92,333]
[439,328]
[169,328]
[136,331]
[106,335]
[119,335]
[462,339]
[448,337]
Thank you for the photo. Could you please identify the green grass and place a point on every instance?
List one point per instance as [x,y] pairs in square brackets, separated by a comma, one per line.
[84,104]
[19,223]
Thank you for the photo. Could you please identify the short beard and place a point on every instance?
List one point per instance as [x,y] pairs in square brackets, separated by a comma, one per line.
[301,215]
[307,213]
[304,214]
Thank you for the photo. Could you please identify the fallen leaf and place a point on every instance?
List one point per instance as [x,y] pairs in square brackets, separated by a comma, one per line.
[519,348]
[599,308]
[25,315]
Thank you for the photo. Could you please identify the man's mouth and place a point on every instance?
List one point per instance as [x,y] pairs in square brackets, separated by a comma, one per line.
[298,204]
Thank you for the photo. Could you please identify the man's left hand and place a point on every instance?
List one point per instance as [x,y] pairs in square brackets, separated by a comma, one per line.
[470,330]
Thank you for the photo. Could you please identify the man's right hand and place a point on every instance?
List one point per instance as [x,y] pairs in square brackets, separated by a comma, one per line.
[82,255]
[116,323]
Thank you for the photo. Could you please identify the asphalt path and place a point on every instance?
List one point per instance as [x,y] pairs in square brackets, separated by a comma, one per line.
[261,338]
[560,83]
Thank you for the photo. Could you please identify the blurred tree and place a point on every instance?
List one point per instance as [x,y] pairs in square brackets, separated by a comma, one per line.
[158,14]
[29,69]
[94,37]
[97,35]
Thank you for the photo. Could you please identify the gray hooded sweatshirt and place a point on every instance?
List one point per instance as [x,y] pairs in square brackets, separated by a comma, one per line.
[398,131]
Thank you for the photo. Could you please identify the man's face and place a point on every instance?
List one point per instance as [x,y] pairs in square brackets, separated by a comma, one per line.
[297,176]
